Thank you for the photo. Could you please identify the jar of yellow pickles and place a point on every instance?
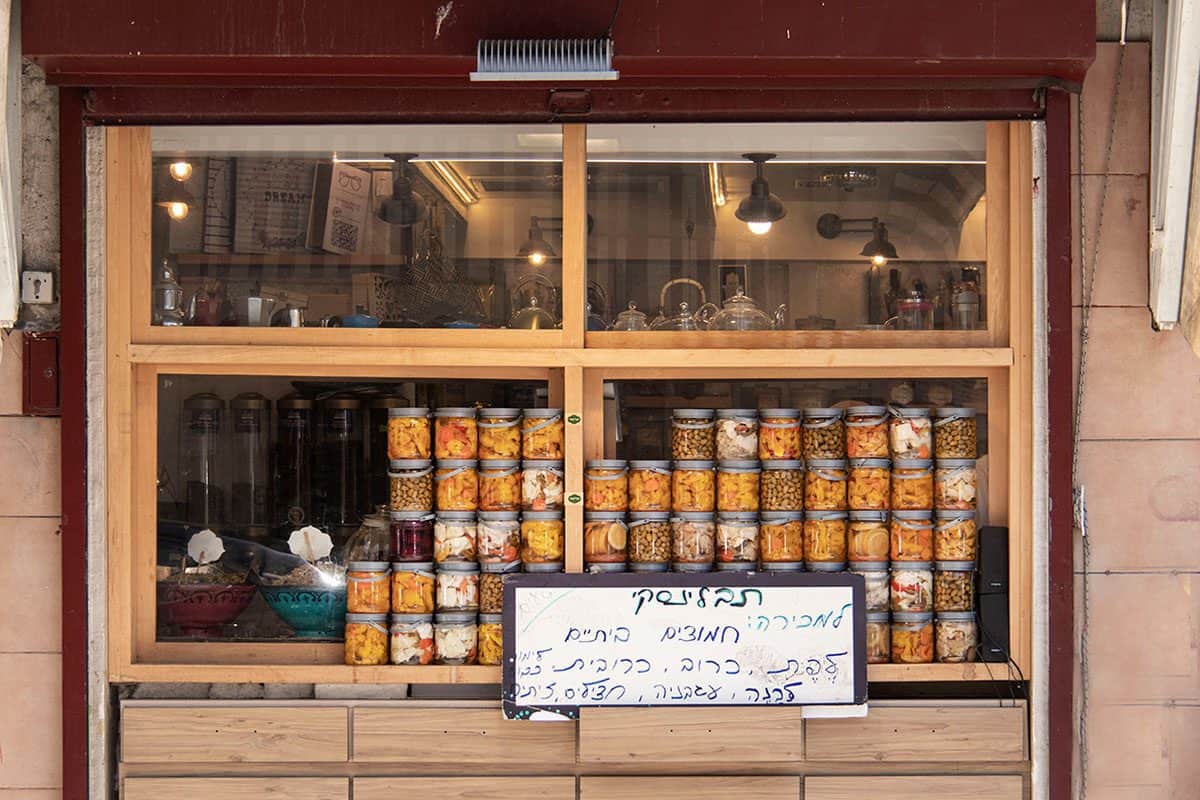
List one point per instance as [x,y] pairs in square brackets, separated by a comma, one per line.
[412,588]
[737,485]
[955,484]
[542,434]
[606,485]
[867,536]
[542,541]
[693,486]
[912,637]
[781,538]
[869,485]
[491,639]
[912,485]
[368,587]
[912,536]
[867,432]
[500,485]
[454,434]
[649,485]
[366,639]
[824,537]
[779,434]
[954,536]
[499,433]
[825,485]
[605,537]
[456,485]
[408,434]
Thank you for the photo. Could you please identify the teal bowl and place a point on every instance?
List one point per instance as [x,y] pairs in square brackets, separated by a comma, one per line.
[313,612]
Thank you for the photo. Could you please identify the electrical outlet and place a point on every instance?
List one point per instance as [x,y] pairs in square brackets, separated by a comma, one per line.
[37,287]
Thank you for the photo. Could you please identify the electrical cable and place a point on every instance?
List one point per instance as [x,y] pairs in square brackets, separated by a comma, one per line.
[613,21]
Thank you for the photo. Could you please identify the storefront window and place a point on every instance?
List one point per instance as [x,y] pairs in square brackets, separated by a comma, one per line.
[822,226]
[379,226]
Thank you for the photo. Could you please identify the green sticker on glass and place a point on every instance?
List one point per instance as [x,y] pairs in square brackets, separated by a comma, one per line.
[574,419]
[574,499]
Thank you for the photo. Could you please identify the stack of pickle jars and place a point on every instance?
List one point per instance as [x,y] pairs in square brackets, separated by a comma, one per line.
[474,496]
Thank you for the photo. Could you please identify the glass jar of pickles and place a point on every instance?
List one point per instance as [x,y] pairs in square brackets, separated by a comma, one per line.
[408,434]
[693,436]
[825,485]
[954,536]
[824,537]
[412,588]
[542,540]
[879,637]
[824,433]
[911,434]
[499,485]
[455,435]
[912,638]
[737,541]
[737,434]
[912,485]
[542,434]
[499,434]
[781,537]
[956,637]
[410,484]
[457,587]
[867,432]
[693,486]
[877,582]
[368,587]
[454,537]
[649,541]
[456,483]
[605,537]
[606,485]
[455,638]
[781,485]
[491,586]
[737,485]
[542,485]
[954,433]
[649,485]
[955,484]
[954,586]
[869,485]
[366,639]
[912,536]
[693,542]
[912,586]
[867,536]
[412,535]
[491,639]
[412,639]
[779,434]
[498,537]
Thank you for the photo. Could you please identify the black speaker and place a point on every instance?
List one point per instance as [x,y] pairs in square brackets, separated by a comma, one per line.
[993,594]
[993,560]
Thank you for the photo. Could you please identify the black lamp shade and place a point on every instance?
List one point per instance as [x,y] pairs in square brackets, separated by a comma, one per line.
[536,244]
[405,206]
[760,205]
[879,246]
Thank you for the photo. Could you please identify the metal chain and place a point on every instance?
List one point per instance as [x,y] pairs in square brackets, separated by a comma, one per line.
[1087,278]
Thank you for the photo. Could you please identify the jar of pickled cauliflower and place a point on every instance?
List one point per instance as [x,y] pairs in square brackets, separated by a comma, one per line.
[693,434]
[456,483]
[649,541]
[605,537]
[457,588]
[542,485]
[543,434]
[911,434]
[825,485]
[413,588]
[877,581]
[693,542]
[956,637]
[455,435]
[491,639]
[500,485]
[954,433]
[412,639]
[781,537]
[737,541]
[410,485]
[954,536]
[824,537]
[737,434]
[368,587]
[737,485]
[606,485]
[955,484]
[912,485]
[779,434]
[498,537]
[542,539]
[912,536]
[912,638]
[867,432]
[781,486]
[366,639]
[824,434]
[868,487]
[649,485]
[455,638]
[408,434]
[867,536]
[499,434]
[879,637]
[693,486]
[454,537]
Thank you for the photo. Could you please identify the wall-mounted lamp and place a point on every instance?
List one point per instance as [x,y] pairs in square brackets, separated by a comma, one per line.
[760,209]
[878,249]
[536,249]
[169,191]
[180,170]
[404,207]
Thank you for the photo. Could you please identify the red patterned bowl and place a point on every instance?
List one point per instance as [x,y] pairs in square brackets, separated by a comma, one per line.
[200,609]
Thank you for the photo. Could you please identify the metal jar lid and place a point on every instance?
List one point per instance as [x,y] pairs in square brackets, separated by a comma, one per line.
[737,413]
[913,516]
[735,566]
[910,412]
[388,401]
[468,413]
[737,516]
[294,402]
[342,403]
[693,413]
[738,465]
[498,516]
[411,619]
[502,567]
[869,566]
[455,618]
[955,463]
[250,400]
[946,515]
[877,616]
[410,516]
[866,411]
[604,516]
[783,566]
[694,464]
[649,566]
[499,413]
[956,616]
[204,401]
[954,566]
[542,413]
[456,516]
[465,567]
[641,517]
[380,618]
[606,567]
[769,517]
[826,566]
[868,516]
[782,463]
[539,515]
[910,566]
[408,412]
[367,566]
[692,516]
[822,413]
[779,413]
[826,463]
[457,463]
[498,463]
[824,515]
[912,617]
[687,566]
[913,464]
[954,412]
[491,619]
[409,464]
[548,566]
[649,464]
[413,566]
[542,463]
[607,463]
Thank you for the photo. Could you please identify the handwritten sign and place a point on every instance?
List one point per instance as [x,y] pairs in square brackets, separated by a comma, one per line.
[679,639]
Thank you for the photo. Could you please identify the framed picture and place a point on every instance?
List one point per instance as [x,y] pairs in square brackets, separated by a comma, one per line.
[732,278]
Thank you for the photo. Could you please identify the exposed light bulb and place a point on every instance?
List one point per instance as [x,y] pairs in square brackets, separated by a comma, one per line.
[879,260]
[177,210]
[759,228]
[537,258]
[180,170]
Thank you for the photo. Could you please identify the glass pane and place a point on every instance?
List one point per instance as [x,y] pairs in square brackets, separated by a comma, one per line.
[849,226]
[412,227]
[253,461]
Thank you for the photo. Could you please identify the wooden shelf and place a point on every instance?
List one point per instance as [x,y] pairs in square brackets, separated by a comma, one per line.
[288,260]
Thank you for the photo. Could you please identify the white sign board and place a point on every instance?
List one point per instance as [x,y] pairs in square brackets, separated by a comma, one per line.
[680,639]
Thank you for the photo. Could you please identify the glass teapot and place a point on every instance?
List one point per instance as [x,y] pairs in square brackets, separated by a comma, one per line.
[631,320]
[740,313]
[685,320]
[532,317]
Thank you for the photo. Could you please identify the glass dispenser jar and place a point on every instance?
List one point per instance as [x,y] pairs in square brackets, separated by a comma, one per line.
[250,418]
[341,464]
[203,448]
[295,442]
[378,410]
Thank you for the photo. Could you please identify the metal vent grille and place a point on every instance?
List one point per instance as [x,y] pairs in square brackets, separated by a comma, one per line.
[544,60]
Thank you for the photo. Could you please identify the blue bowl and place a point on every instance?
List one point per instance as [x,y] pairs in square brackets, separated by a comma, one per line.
[313,612]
